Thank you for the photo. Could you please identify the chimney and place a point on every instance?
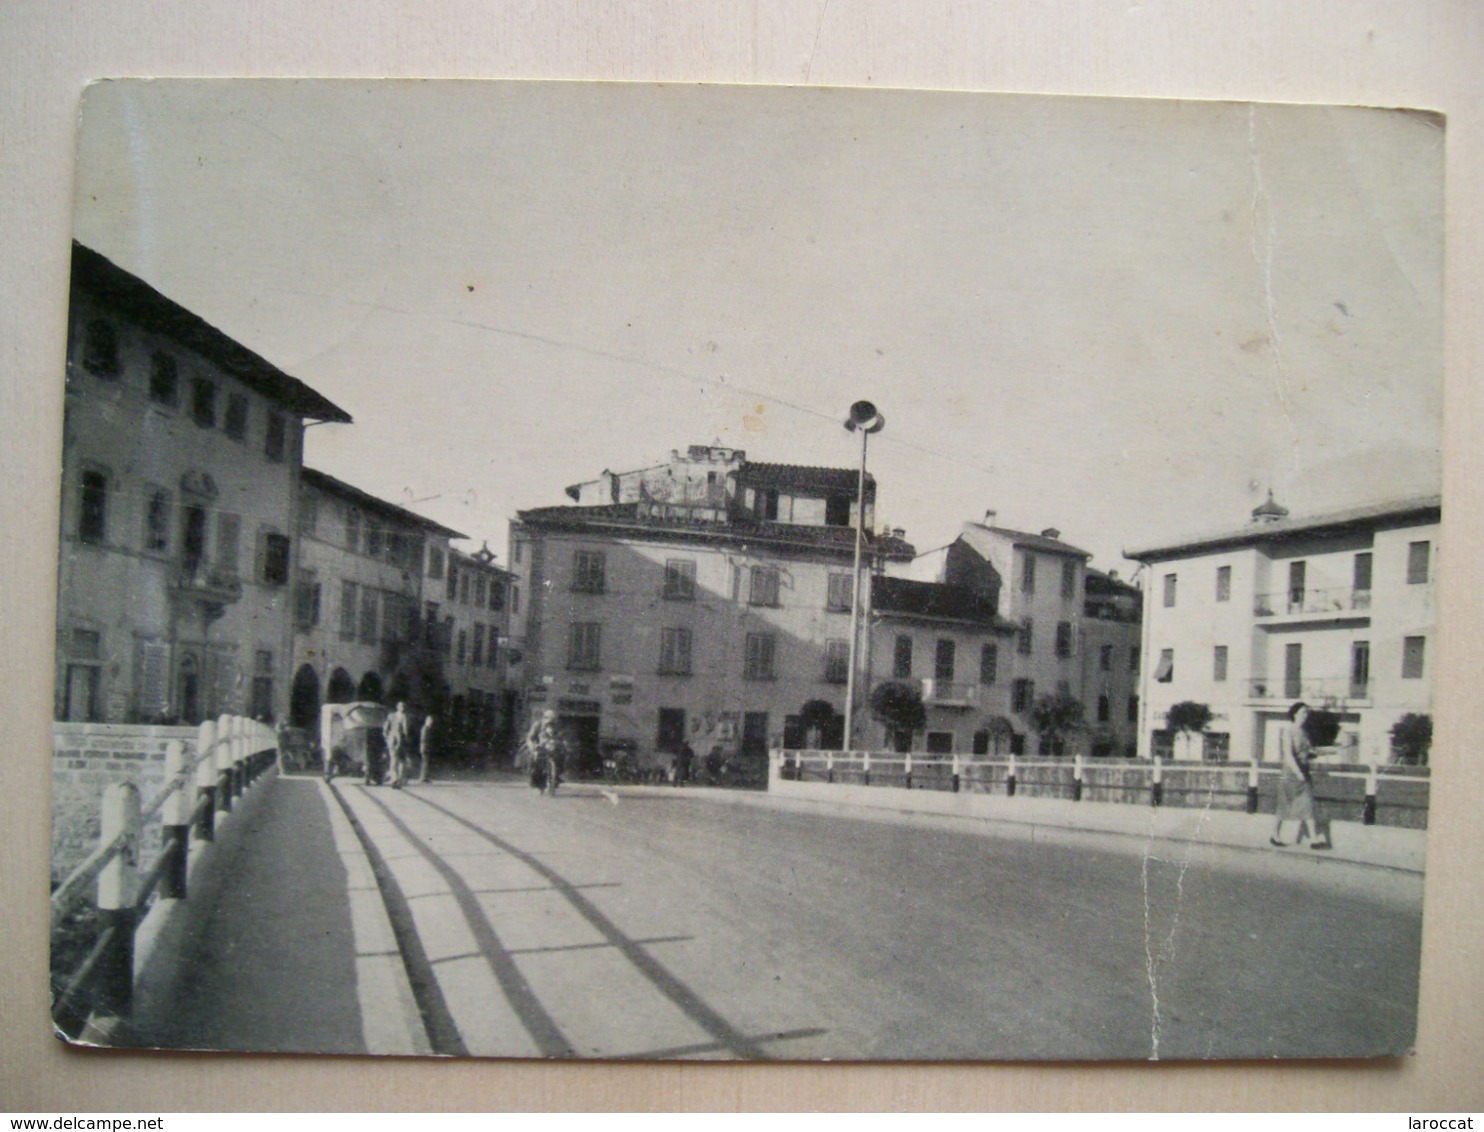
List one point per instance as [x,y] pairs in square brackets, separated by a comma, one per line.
[899,532]
[1113,575]
[989,517]
[1051,532]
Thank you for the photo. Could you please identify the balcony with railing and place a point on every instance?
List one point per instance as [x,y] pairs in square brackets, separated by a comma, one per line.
[207,584]
[1307,604]
[1317,692]
[948,693]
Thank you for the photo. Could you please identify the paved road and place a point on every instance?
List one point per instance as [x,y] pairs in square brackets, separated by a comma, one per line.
[697,924]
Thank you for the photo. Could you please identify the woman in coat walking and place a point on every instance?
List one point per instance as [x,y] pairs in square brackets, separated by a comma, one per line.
[1296,781]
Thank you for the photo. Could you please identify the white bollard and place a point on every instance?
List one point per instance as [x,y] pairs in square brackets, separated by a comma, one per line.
[117,881]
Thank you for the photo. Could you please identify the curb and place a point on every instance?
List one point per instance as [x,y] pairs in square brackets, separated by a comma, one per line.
[391,1022]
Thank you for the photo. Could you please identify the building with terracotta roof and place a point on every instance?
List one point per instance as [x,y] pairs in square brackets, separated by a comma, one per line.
[1337,610]
[704,601]
[180,477]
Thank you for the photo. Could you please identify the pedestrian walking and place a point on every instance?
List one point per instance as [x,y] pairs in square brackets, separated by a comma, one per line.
[545,744]
[424,747]
[684,761]
[395,731]
[1296,782]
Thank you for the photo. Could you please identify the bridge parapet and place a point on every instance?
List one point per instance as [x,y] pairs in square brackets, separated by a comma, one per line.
[195,777]
[1394,795]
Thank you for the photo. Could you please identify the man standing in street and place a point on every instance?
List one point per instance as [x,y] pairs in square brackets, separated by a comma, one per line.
[424,748]
[396,730]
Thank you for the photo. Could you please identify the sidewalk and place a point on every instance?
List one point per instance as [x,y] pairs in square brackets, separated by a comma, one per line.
[1380,846]
[291,903]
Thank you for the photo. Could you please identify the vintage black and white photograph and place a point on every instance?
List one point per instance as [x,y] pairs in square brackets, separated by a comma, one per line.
[666,572]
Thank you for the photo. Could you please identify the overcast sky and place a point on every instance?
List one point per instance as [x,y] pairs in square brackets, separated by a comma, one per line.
[1124,319]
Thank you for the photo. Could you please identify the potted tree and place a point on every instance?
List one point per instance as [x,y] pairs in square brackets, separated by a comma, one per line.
[1188,718]
[898,707]
[1411,738]
[822,725]
[1056,719]
[1000,731]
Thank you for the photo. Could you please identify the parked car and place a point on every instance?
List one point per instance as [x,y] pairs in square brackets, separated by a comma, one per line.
[352,740]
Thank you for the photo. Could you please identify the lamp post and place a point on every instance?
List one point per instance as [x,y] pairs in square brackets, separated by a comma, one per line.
[865,420]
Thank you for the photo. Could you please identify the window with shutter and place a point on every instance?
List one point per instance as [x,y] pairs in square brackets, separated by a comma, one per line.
[759,657]
[92,519]
[675,652]
[763,587]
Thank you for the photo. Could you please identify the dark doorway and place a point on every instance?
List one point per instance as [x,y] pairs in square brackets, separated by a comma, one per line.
[670,735]
[755,734]
[581,733]
[369,688]
[304,699]
[401,689]
[342,689]
[188,689]
[795,735]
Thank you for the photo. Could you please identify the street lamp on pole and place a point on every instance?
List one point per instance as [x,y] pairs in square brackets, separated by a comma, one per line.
[864,419]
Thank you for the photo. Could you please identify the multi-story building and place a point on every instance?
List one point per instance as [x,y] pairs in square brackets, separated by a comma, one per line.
[475,612]
[1068,622]
[180,476]
[705,601]
[1110,650]
[360,634]
[949,643]
[1337,610]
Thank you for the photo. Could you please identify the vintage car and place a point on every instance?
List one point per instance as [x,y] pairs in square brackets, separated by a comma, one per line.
[352,740]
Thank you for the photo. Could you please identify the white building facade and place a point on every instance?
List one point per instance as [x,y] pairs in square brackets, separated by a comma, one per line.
[360,633]
[181,472]
[705,603]
[1335,610]
[475,637]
